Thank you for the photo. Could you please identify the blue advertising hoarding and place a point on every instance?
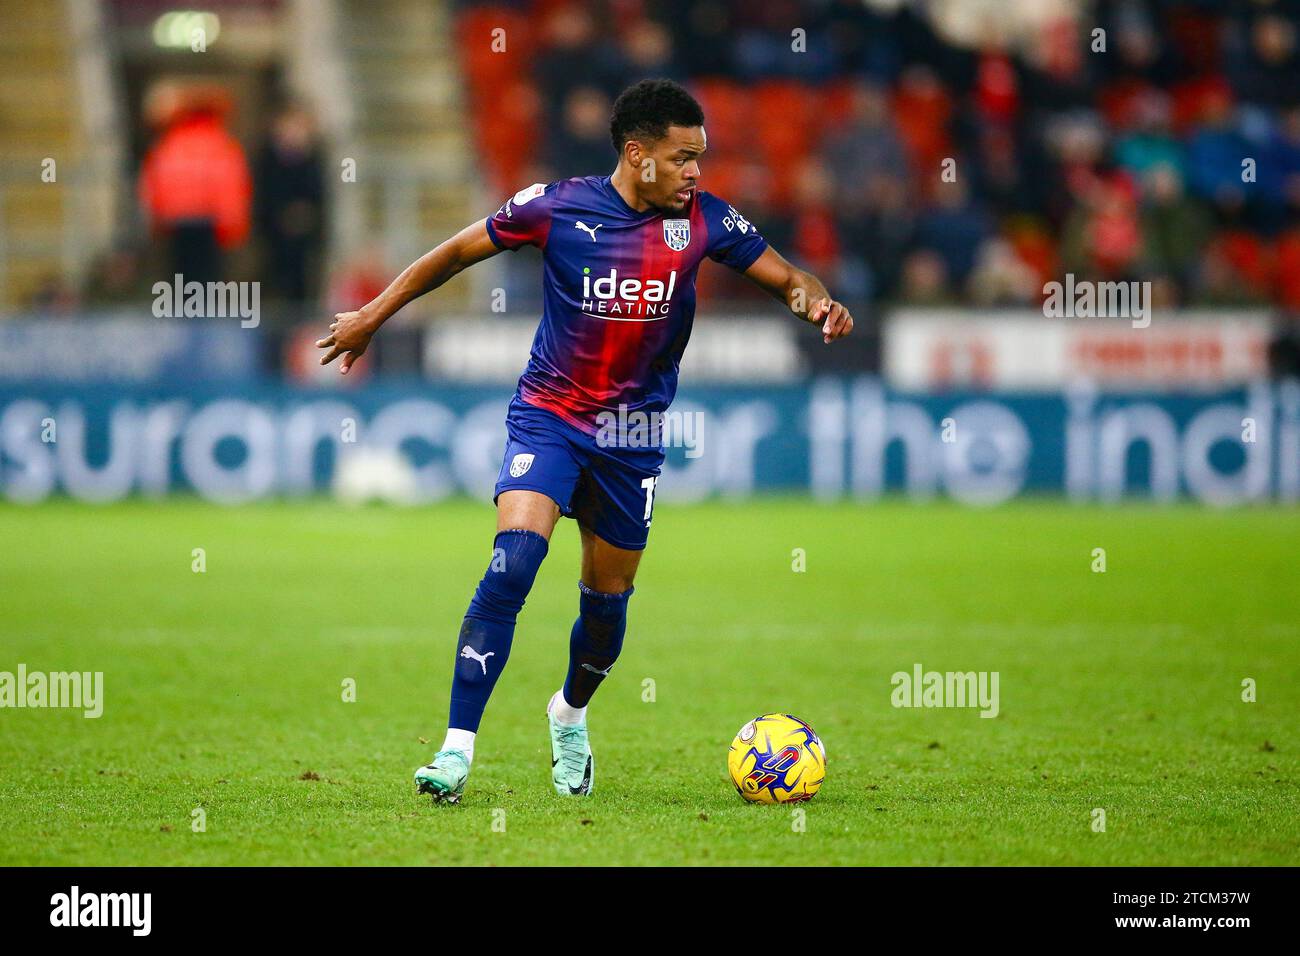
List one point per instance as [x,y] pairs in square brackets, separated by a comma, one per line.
[831,437]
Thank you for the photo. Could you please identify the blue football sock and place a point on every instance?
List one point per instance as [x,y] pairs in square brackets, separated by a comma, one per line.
[595,642]
[489,626]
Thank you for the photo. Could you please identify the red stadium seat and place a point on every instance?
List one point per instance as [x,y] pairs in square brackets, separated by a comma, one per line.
[727,112]
[485,66]
[502,100]
[507,120]
[1288,270]
[787,116]
[835,103]
[720,174]
[788,121]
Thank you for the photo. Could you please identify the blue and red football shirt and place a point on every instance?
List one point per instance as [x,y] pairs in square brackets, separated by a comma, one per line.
[618,291]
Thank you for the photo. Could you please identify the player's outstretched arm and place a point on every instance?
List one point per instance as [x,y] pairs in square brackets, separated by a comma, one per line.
[802,292]
[351,332]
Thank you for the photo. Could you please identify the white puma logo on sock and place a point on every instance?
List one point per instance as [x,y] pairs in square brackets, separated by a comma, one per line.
[469,653]
[588,229]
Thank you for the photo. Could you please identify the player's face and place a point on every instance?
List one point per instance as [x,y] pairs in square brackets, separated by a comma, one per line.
[676,168]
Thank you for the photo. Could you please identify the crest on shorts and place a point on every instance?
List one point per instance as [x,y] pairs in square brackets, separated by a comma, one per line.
[677,234]
[520,464]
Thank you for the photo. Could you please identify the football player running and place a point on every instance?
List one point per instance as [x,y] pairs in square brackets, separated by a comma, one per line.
[620,255]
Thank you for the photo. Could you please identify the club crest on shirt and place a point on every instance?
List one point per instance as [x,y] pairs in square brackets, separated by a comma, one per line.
[520,464]
[677,234]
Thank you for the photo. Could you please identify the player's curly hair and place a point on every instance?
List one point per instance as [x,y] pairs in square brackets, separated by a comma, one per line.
[645,110]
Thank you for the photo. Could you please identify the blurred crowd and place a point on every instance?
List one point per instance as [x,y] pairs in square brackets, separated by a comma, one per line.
[202,201]
[907,168]
[1146,141]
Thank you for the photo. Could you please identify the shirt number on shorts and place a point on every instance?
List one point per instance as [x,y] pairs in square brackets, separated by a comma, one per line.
[649,485]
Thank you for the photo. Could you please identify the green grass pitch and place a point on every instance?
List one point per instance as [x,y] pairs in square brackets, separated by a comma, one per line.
[223,690]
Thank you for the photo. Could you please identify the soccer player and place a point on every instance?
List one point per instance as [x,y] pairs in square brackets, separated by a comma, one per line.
[620,254]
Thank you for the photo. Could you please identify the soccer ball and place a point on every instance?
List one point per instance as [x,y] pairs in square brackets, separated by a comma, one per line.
[777,758]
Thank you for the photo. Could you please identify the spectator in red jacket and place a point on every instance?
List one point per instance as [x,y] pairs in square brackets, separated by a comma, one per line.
[195,186]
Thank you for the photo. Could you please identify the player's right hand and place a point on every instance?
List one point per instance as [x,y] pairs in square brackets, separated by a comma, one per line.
[349,336]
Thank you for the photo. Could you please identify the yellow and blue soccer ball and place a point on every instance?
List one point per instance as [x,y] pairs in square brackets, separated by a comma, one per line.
[777,758]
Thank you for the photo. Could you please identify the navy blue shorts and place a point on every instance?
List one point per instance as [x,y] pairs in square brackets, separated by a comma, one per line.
[610,491]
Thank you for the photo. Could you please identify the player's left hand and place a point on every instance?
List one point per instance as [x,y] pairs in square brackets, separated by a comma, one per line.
[835,319]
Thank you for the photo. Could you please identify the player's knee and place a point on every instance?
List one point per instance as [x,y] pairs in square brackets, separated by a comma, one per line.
[516,556]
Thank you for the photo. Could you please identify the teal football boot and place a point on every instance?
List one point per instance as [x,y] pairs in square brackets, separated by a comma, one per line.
[573,769]
[444,778]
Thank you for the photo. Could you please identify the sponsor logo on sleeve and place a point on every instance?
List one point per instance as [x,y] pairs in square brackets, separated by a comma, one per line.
[529,194]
